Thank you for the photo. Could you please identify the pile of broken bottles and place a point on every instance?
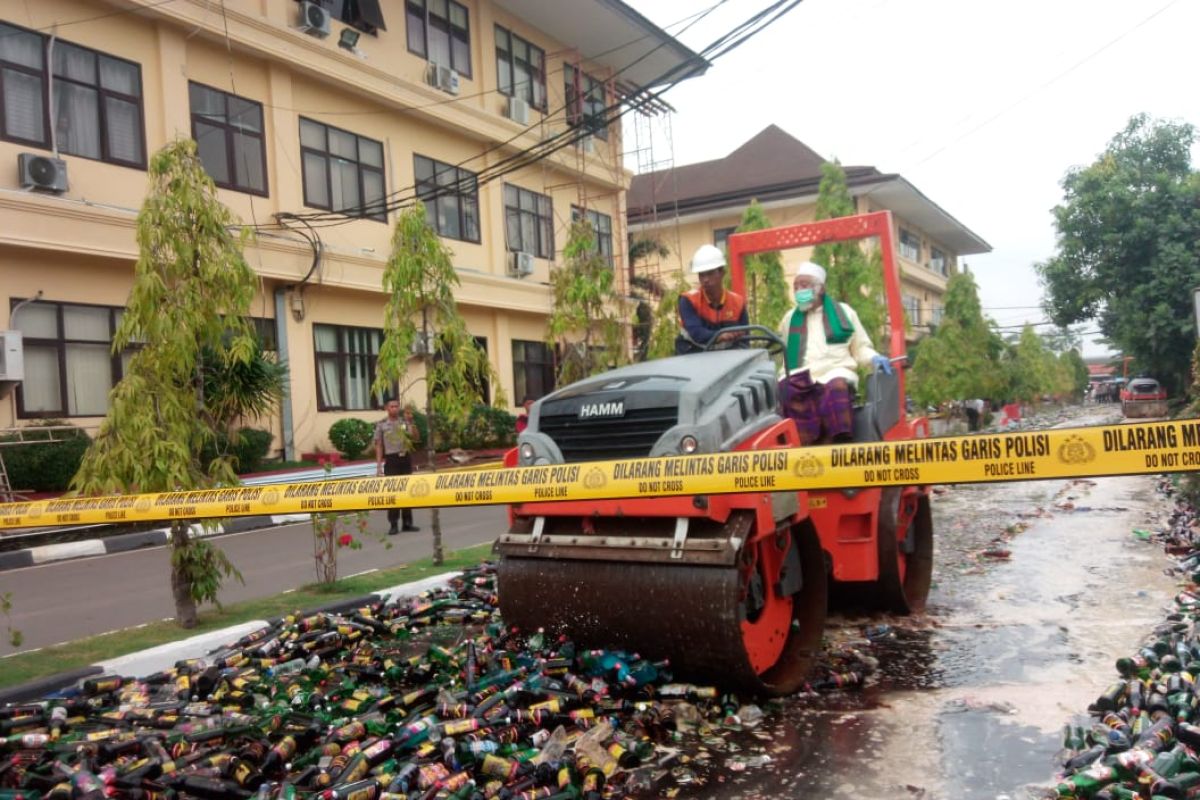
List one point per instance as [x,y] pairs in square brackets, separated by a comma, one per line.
[1144,743]
[428,698]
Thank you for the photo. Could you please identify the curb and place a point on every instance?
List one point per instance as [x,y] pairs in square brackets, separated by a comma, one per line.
[124,542]
[164,656]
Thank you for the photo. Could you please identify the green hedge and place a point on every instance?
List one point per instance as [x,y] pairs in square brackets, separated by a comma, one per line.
[45,467]
[248,447]
[487,428]
[351,436]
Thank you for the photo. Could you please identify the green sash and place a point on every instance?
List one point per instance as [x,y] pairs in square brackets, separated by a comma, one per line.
[838,330]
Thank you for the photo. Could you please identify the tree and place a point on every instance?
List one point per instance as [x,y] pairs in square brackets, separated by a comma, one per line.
[1032,367]
[665,324]
[855,276]
[645,290]
[185,319]
[585,324]
[962,358]
[768,296]
[1128,249]
[419,279]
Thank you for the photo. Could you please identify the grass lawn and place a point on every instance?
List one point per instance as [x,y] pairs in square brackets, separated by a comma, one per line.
[47,661]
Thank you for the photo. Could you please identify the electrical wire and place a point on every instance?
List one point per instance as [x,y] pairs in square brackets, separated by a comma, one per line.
[524,157]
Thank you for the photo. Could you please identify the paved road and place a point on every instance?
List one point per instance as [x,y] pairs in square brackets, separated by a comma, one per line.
[70,599]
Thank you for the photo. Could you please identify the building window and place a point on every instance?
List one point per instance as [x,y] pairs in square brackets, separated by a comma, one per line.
[69,365]
[910,245]
[520,68]
[440,31]
[587,102]
[937,261]
[937,315]
[601,229]
[721,237]
[346,359]
[451,198]
[342,171]
[533,370]
[528,221]
[912,310]
[97,99]
[364,15]
[229,133]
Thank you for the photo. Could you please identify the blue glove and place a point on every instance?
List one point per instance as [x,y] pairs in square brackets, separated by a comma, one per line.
[882,364]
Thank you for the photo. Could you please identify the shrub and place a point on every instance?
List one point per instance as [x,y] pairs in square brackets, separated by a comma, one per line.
[351,436]
[248,448]
[45,467]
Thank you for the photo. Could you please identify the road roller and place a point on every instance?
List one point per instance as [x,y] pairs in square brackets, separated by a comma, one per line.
[732,589]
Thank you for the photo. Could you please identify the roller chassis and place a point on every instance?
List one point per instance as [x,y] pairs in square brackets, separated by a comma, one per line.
[730,588]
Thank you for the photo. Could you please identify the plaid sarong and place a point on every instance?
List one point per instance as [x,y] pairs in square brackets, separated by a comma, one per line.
[822,412]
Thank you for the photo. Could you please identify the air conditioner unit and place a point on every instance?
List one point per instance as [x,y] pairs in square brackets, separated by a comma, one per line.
[42,172]
[420,344]
[442,77]
[588,144]
[314,19]
[520,265]
[518,110]
[12,357]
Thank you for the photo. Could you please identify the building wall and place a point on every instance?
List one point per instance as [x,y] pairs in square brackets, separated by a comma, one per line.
[79,247]
[918,282]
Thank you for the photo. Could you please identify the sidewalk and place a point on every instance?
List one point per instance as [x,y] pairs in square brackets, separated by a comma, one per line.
[42,547]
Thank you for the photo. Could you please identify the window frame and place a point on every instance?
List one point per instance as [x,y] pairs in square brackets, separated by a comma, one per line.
[938,261]
[594,217]
[60,343]
[545,365]
[229,131]
[342,357]
[577,100]
[913,314]
[721,236]
[46,75]
[538,77]
[545,249]
[411,7]
[426,185]
[326,154]
[916,245]
[337,10]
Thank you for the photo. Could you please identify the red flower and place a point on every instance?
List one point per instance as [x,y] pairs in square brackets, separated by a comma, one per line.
[345,540]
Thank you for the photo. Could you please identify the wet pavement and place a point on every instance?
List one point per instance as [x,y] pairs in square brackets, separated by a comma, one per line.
[1039,588]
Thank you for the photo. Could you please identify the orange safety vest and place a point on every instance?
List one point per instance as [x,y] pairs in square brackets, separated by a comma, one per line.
[732,306]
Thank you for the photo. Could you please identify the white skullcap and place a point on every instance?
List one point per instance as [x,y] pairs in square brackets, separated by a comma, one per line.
[812,270]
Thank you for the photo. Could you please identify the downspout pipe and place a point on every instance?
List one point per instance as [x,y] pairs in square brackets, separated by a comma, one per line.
[285,402]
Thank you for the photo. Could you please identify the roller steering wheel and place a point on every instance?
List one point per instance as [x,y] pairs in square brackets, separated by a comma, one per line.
[768,339]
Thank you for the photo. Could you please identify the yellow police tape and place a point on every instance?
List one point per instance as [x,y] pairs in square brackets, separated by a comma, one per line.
[1130,449]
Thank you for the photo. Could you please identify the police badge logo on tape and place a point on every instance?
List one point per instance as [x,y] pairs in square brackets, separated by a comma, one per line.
[1075,450]
[595,479]
[270,497]
[419,488]
[808,466]
[143,505]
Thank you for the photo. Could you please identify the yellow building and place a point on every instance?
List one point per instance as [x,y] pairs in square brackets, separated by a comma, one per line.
[702,203]
[300,108]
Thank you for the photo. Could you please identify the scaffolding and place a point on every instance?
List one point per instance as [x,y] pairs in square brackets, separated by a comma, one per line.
[653,154]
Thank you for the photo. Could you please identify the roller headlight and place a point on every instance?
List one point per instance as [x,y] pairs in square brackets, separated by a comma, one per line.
[688,445]
[527,452]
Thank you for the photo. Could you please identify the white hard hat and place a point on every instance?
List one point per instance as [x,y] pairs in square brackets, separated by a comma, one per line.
[707,257]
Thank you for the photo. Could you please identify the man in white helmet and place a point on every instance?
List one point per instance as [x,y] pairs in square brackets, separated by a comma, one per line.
[826,344]
[705,311]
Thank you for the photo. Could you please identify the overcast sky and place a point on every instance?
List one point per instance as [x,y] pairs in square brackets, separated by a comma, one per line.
[982,105]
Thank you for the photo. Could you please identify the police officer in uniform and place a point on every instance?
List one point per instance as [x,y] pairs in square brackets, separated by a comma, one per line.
[392,436]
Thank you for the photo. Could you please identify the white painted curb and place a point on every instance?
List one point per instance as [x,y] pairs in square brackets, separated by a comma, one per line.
[58,552]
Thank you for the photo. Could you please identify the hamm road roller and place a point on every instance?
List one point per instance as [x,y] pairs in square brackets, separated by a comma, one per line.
[731,588]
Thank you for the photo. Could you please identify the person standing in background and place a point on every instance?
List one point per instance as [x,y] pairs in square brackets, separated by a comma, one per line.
[392,436]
